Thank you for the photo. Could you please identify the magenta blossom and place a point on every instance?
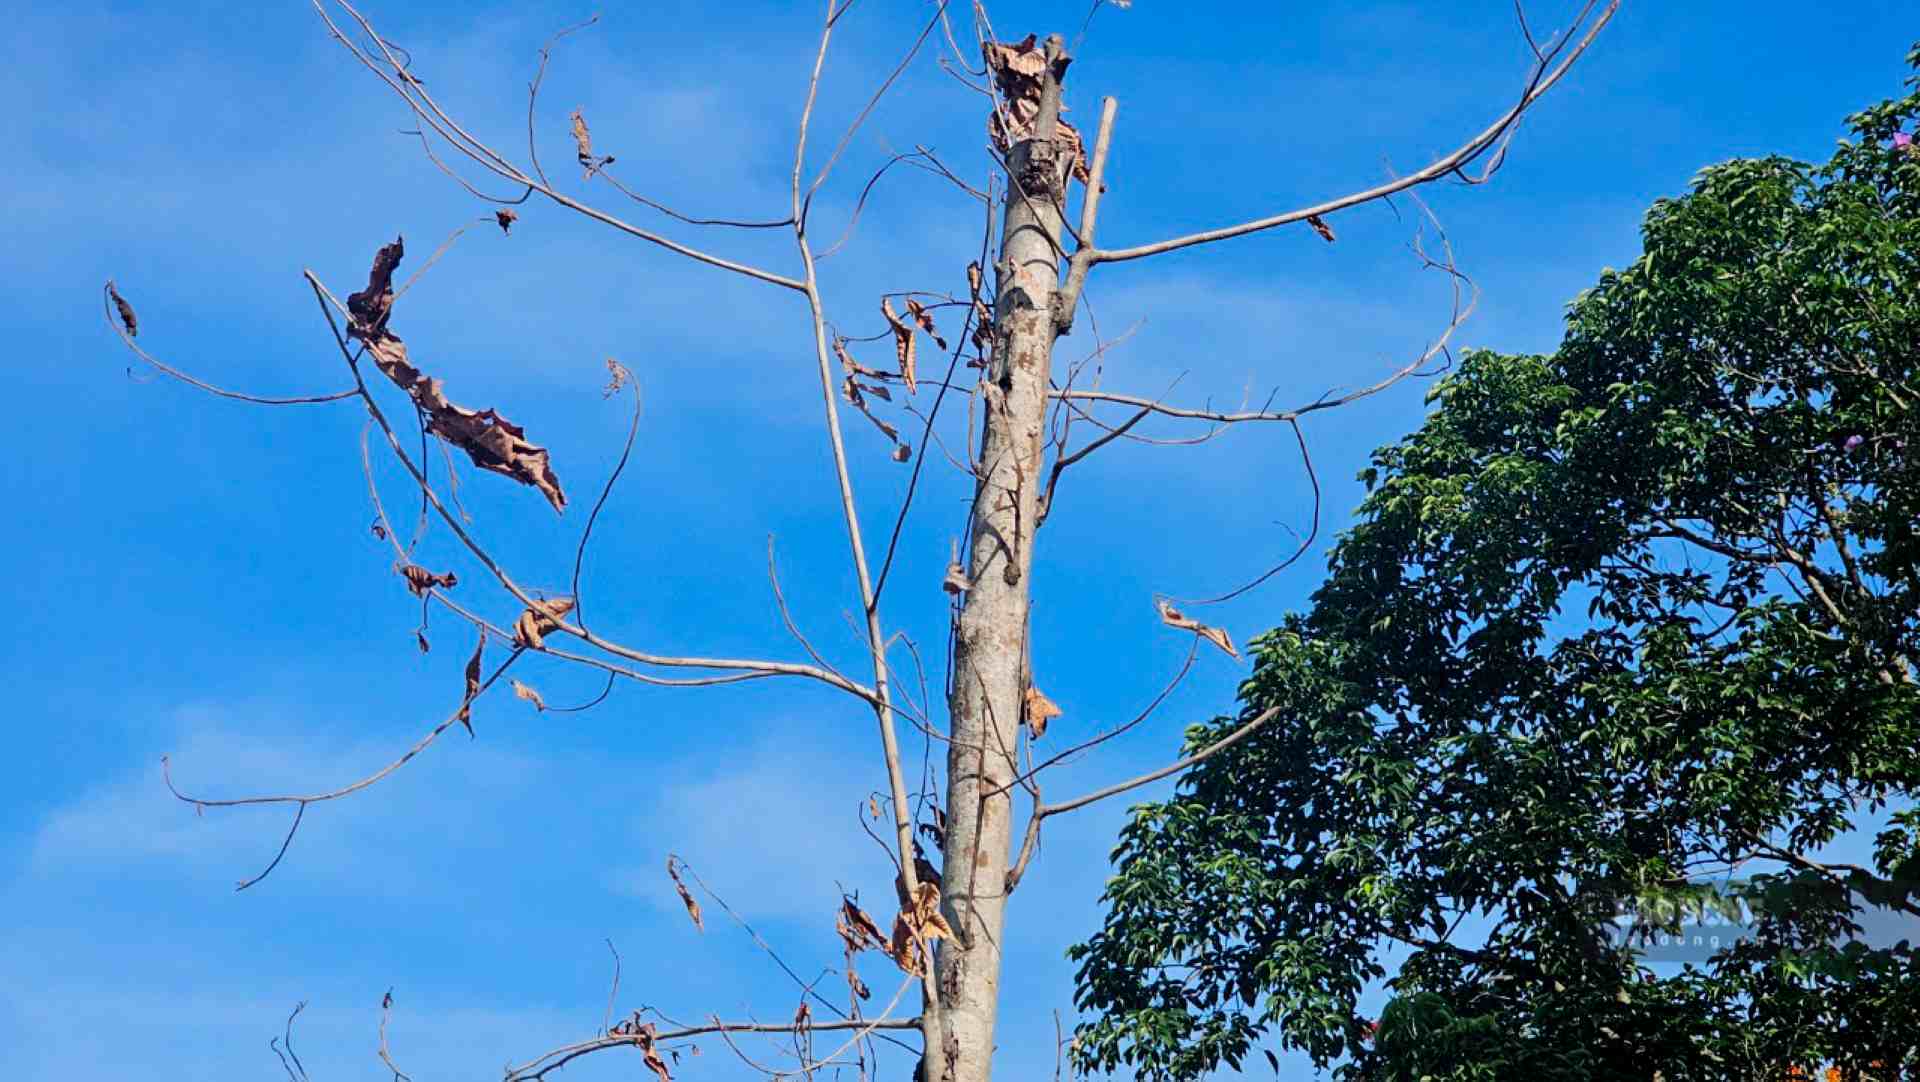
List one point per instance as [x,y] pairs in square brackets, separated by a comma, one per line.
[1902,141]
[1853,442]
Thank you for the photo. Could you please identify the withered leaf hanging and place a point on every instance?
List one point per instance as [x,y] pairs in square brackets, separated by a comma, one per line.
[539,620]
[420,580]
[583,147]
[493,443]
[686,896]
[505,218]
[473,684]
[856,928]
[918,923]
[522,691]
[925,318]
[1321,227]
[1039,710]
[1019,72]
[1173,617]
[127,319]
[902,343]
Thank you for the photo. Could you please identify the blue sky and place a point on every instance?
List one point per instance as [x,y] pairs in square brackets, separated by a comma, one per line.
[196,578]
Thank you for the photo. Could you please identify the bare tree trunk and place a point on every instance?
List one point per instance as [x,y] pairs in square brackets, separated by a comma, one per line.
[990,677]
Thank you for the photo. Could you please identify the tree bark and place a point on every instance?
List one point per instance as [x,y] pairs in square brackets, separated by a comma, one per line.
[990,676]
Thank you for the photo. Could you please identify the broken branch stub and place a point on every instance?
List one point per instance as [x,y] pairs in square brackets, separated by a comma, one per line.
[494,443]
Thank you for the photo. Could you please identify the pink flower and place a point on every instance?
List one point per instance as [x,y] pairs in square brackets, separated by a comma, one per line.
[1853,442]
[1902,141]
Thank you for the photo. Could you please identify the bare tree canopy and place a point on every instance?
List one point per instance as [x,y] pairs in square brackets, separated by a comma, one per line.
[889,397]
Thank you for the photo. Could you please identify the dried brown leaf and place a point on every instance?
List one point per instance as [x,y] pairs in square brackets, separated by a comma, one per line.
[902,452]
[915,926]
[873,805]
[856,927]
[522,691]
[1039,710]
[420,580]
[956,581]
[905,950]
[902,343]
[539,620]
[975,280]
[1173,617]
[473,684]
[493,443]
[583,147]
[686,896]
[420,640]
[370,307]
[617,376]
[1019,72]
[127,319]
[505,218]
[925,318]
[379,531]
[1321,227]
[643,1035]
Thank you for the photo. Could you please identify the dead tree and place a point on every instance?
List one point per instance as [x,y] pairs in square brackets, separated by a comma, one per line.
[1044,184]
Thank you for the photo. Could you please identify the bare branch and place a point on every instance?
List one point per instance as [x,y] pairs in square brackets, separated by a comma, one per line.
[1169,770]
[221,392]
[1454,163]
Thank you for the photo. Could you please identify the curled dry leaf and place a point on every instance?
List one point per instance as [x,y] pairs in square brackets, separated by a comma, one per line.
[644,1036]
[855,392]
[918,924]
[1321,227]
[956,582]
[522,691]
[583,147]
[1173,617]
[1019,72]
[617,376]
[803,1018]
[505,218]
[493,443]
[539,620]
[127,319]
[856,928]
[1039,710]
[925,318]
[420,640]
[473,684]
[686,896]
[902,343]
[379,531]
[419,579]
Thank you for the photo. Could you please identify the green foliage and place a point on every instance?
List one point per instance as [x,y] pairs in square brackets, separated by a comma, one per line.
[1642,610]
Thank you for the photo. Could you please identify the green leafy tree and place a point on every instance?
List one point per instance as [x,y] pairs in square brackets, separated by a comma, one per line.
[1614,620]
